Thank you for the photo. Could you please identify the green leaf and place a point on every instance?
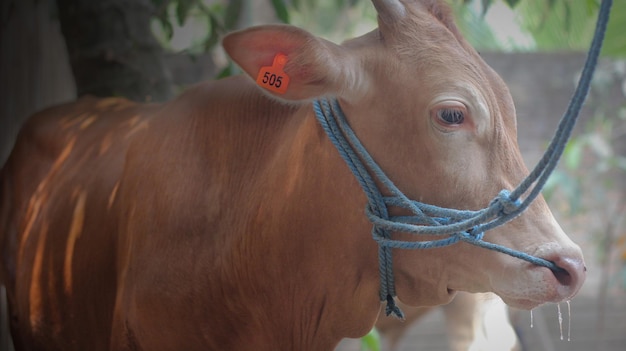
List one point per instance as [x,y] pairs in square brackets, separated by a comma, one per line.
[167,27]
[475,29]
[214,34]
[573,153]
[568,17]
[614,43]
[223,73]
[592,6]
[557,25]
[233,12]
[486,4]
[551,4]
[551,184]
[371,341]
[511,3]
[281,10]
[229,70]
[182,9]
[574,194]
[161,5]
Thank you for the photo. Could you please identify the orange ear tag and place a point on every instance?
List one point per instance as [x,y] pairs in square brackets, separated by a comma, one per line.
[273,78]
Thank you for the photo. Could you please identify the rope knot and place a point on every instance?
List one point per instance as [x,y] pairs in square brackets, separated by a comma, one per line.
[508,204]
[392,308]
[472,235]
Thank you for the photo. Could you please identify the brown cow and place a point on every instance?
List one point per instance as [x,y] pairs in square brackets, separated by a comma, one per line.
[226,220]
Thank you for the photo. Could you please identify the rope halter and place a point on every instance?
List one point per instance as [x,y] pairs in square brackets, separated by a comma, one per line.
[451,225]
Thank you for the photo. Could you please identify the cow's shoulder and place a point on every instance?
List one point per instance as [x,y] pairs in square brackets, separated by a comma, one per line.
[202,149]
[231,101]
[228,125]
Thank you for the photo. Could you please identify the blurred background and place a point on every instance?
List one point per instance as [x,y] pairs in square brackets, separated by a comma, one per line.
[150,50]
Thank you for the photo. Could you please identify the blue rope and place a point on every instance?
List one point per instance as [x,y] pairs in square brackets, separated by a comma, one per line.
[451,224]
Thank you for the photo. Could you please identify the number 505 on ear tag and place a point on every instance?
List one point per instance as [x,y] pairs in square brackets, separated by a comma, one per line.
[273,77]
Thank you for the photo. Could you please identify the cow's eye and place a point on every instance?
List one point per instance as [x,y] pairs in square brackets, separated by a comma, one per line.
[451,116]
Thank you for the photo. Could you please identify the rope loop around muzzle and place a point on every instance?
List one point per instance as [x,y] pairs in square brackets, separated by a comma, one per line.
[450,225]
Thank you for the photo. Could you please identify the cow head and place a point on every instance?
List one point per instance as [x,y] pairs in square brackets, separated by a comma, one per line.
[442,125]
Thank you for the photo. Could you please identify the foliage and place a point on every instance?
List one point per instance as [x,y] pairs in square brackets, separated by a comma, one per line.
[553,25]
[557,25]
[219,17]
[334,20]
[472,24]
[614,44]
[371,341]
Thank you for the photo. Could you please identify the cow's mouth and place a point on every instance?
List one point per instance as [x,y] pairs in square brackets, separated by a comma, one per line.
[539,285]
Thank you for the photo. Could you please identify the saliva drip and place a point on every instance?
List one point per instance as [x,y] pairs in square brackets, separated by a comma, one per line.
[569,321]
[560,315]
[558,306]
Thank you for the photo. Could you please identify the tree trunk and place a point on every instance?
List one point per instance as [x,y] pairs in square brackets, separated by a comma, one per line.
[112,50]
[34,68]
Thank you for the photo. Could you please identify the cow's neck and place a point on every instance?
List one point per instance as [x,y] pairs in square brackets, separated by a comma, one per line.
[321,262]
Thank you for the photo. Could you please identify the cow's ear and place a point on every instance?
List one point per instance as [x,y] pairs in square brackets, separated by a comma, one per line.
[313,66]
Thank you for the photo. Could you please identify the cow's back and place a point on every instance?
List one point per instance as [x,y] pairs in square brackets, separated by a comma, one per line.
[58,222]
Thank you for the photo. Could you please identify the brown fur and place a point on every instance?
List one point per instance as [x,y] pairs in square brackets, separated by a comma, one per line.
[226,220]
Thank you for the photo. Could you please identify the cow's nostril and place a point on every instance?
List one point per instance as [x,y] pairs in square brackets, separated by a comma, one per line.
[570,275]
[563,276]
